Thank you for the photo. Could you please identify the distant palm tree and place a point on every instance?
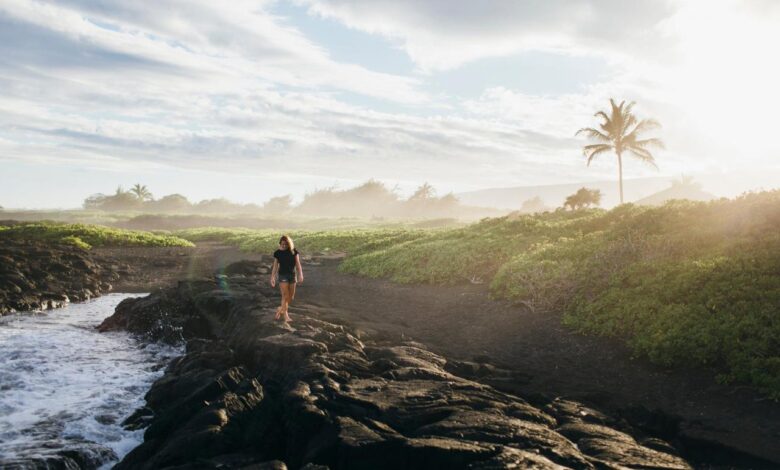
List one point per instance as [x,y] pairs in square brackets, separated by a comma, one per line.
[620,133]
[141,192]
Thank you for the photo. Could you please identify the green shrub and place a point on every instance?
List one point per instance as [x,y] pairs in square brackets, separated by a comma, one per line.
[87,236]
[686,284]
[75,241]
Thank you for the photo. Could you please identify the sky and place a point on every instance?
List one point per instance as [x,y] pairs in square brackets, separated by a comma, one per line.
[253,99]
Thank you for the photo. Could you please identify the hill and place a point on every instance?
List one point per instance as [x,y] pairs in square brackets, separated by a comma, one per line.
[680,189]
[554,195]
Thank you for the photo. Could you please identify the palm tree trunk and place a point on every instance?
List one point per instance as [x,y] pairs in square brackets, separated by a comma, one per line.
[620,174]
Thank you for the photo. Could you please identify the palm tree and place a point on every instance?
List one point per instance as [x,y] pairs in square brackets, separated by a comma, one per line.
[620,131]
[141,192]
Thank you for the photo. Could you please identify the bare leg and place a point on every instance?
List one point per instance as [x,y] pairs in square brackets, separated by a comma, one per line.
[288,292]
[292,292]
[282,307]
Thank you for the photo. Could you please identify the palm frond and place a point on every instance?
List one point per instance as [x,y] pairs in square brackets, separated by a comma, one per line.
[615,107]
[593,134]
[646,125]
[588,148]
[628,108]
[629,120]
[652,142]
[642,126]
[615,114]
[643,155]
[591,151]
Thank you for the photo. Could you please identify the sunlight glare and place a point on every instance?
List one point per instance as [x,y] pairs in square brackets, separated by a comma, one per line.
[728,78]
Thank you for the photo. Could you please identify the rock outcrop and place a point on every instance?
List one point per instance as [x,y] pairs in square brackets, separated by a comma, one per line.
[40,277]
[254,393]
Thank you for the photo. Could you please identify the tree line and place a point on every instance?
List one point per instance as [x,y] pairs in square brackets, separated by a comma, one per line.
[620,132]
[370,199]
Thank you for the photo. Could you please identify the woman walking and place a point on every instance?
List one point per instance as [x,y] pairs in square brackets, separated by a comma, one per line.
[287,264]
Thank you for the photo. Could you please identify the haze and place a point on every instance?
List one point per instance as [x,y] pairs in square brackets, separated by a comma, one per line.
[253,99]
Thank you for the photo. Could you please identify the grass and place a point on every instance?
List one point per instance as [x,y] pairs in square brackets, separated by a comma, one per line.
[684,285]
[137,220]
[87,236]
[354,242]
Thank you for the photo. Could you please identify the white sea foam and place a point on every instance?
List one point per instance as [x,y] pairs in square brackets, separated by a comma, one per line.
[64,386]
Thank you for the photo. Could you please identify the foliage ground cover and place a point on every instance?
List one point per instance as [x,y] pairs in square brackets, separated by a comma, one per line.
[691,284]
[354,241]
[87,236]
[685,284]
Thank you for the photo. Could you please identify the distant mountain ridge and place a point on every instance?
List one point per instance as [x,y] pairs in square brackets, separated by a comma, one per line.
[555,194]
[684,189]
[637,191]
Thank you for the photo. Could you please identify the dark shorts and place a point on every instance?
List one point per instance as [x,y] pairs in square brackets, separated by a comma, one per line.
[287,278]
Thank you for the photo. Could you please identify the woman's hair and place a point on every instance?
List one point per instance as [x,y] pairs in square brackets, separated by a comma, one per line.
[290,244]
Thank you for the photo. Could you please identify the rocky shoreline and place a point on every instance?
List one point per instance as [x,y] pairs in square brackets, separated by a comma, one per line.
[41,277]
[254,393]
[333,389]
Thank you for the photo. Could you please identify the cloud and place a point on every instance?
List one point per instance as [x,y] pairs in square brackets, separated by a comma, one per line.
[230,89]
[206,44]
[444,34]
[237,89]
[268,133]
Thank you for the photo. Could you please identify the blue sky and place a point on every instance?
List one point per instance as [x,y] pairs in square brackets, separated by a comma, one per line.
[254,99]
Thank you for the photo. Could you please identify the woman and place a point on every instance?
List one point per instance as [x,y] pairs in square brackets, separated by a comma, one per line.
[287,263]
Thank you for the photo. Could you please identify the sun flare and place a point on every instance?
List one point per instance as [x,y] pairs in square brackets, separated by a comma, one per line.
[728,76]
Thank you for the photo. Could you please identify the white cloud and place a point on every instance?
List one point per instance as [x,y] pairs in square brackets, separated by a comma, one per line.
[443,34]
[235,89]
[210,47]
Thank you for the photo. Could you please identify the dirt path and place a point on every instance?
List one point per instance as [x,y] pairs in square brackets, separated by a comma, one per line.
[143,269]
[461,322]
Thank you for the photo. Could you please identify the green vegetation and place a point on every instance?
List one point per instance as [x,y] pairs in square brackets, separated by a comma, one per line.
[87,236]
[583,199]
[685,284]
[370,200]
[355,242]
[74,216]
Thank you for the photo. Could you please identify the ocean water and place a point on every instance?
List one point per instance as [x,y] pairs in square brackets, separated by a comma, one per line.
[64,387]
